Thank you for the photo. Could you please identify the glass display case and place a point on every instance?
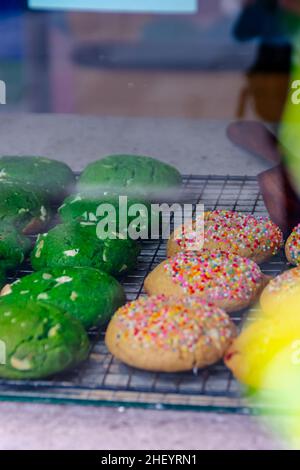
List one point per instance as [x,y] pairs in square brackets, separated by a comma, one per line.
[208,86]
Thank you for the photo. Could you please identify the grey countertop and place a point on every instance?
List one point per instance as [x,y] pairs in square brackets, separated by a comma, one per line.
[194,147]
[26,426]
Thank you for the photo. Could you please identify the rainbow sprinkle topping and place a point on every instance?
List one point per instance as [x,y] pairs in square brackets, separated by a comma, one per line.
[171,323]
[236,231]
[294,245]
[220,275]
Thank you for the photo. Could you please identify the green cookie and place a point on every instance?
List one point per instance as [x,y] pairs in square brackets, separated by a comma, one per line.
[122,213]
[52,178]
[2,277]
[135,175]
[22,207]
[13,247]
[87,294]
[74,244]
[38,340]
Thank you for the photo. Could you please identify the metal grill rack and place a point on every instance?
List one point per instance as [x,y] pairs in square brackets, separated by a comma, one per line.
[102,380]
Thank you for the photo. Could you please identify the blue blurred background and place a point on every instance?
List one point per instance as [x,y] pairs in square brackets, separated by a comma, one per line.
[169,6]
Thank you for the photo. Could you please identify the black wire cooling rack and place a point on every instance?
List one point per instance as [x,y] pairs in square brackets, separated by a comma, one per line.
[103,380]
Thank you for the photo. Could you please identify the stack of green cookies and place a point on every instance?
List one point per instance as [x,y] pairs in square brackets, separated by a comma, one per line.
[44,316]
[39,338]
[28,187]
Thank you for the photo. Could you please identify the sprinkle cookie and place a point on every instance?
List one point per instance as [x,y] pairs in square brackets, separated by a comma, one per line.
[281,293]
[169,334]
[292,246]
[229,281]
[251,236]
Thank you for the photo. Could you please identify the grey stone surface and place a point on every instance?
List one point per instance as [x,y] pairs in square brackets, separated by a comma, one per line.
[26,426]
[194,146]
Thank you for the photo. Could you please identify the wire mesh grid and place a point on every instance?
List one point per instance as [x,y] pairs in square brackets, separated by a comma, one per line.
[104,380]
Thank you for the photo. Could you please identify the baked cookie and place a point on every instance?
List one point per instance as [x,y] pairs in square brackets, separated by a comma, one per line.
[14,246]
[87,294]
[229,281]
[51,178]
[75,244]
[169,334]
[39,340]
[248,235]
[265,352]
[2,276]
[86,207]
[22,207]
[281,291]
[131,174]
[292,246]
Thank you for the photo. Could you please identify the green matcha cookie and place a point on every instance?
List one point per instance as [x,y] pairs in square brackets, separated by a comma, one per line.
[22,207]
[135,175]
[13,247]
[52,178]
[2,276]
[74,244]
[92,207]
[38,340]
[87,294]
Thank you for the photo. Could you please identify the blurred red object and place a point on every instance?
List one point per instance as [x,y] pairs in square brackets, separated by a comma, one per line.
[290,5]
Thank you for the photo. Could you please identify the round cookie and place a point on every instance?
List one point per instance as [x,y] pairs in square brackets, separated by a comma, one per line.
[75,244]
[49,177]
[22,207]
[87,294]
[281,291]
[39,340]
[85,207]
[229,281]
[248,235]
[169,334]
[292,246]
[133,174]
[14,246]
